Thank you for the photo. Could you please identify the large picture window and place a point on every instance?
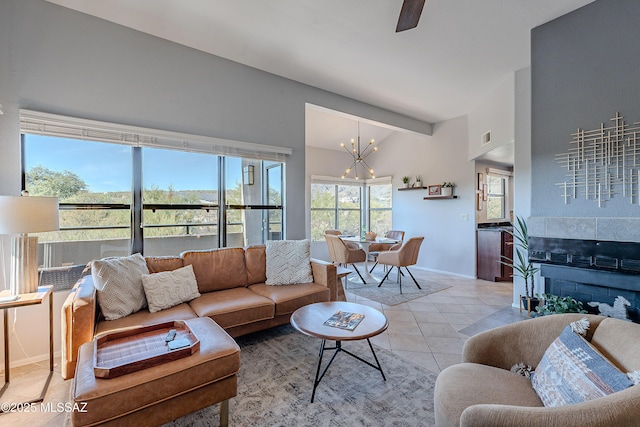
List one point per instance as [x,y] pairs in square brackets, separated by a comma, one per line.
[118,197]
[343,207]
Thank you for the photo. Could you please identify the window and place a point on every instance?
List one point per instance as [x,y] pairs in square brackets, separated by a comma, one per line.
[335,206]
[380,212]
[342,206]
[156,195]
[496,189]
[180,200]
[95,200]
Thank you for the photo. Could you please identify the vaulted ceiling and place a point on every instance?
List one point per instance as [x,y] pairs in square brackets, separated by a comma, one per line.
[460,51]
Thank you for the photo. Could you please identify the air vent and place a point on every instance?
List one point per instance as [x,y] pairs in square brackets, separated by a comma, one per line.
[486,137]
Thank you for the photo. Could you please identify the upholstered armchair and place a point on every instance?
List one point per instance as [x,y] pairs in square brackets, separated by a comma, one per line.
[405,256]
[482,392]
[343,254]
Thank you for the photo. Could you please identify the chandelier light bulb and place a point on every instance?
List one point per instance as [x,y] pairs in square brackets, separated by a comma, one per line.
[342,144]
[348,170]
[375,148]
[371,171]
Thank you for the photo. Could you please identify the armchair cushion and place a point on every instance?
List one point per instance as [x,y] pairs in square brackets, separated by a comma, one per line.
[573,371]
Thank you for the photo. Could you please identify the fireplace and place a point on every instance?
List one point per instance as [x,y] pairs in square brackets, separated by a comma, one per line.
[590,270]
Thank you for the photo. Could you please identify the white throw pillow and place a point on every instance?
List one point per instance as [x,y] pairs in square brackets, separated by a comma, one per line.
[288,262]
[118,282]
[169,288]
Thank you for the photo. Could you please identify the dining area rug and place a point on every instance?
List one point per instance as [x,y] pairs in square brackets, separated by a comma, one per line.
[389,292]
[277,368]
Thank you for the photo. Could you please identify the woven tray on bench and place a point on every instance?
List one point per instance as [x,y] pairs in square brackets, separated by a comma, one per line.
[123,352]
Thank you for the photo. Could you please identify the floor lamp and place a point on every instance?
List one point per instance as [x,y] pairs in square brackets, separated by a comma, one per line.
[19,216]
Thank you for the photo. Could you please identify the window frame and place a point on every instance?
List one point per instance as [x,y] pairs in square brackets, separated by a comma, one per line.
[35,123]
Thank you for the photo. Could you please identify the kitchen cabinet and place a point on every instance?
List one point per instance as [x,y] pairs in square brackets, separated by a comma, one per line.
[494,245]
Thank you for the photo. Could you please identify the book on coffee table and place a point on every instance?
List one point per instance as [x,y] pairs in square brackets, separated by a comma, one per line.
[344,320]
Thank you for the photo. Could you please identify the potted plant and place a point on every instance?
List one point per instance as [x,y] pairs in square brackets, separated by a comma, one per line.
[447,188]
[405,180]
[554,304]
[522,265]
[418,181]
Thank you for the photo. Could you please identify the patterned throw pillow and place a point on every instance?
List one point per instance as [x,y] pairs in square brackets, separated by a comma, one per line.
[169,288]
[288,262]
[118,282]
[573,371]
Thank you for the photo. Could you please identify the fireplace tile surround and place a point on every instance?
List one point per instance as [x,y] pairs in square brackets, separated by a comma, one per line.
[589,259]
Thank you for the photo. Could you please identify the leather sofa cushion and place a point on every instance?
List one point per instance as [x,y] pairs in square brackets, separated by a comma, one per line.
[144,318]
[289,298]
[158,264]
[218,358]
[233,307]
[256,261]
[217,269]
[463,385]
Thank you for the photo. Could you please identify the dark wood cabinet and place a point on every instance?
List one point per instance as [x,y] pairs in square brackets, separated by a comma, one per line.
[493,246]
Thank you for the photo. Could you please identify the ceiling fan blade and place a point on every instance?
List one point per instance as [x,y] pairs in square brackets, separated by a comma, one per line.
[409,14]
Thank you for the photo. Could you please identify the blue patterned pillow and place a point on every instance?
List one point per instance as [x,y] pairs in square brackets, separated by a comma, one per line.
[572,371]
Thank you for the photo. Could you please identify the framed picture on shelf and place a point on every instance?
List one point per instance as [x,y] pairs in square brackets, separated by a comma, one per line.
[435,190]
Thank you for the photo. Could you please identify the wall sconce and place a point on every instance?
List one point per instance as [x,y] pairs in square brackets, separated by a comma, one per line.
[248,174]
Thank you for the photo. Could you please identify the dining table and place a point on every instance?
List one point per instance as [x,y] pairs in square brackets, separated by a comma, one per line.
[364,245]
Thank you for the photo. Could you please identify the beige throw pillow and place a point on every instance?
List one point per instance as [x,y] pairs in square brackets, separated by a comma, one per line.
[169,288]
[118,282]
[288,262]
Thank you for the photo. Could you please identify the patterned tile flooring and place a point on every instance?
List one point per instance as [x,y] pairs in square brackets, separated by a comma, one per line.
[429,331]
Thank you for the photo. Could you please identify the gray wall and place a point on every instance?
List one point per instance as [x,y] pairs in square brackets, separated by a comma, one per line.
[585,68]
[56,60]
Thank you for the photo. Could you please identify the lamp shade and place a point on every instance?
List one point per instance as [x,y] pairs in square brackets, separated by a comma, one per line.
[28,214]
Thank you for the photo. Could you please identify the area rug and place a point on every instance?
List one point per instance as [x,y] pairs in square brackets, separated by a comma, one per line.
[275,381]
[389,292]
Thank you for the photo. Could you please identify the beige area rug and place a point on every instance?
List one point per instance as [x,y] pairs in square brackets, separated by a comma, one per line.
[276,379]
[389,292]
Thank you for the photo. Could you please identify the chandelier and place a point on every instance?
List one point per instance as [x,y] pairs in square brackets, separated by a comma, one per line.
[359,157]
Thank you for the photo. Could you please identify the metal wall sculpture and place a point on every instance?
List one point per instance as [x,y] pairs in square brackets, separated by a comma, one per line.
[603,163]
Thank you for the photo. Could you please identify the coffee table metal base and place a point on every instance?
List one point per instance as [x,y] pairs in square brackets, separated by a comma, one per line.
[338,348]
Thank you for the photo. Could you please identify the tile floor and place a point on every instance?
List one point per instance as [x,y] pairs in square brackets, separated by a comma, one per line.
[432,329]
[429,331]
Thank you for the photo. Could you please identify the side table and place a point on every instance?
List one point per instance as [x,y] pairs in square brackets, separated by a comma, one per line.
[22,301]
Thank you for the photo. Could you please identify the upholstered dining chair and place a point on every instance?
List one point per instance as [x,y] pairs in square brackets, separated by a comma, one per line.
[333,232]
[376,248]
[404,257]
[342,254]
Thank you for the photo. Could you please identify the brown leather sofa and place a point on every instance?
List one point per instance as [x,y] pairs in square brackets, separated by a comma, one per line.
[231,282]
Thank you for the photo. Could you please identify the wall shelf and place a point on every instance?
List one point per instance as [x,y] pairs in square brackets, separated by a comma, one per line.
[440,197]
[412,188]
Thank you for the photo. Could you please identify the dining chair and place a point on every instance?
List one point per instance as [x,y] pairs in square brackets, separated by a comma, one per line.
[342,254]
[376,248]
[404,257]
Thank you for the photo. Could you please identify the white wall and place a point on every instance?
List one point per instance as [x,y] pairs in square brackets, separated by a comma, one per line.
[449,244]
[522,164]
[495,113]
